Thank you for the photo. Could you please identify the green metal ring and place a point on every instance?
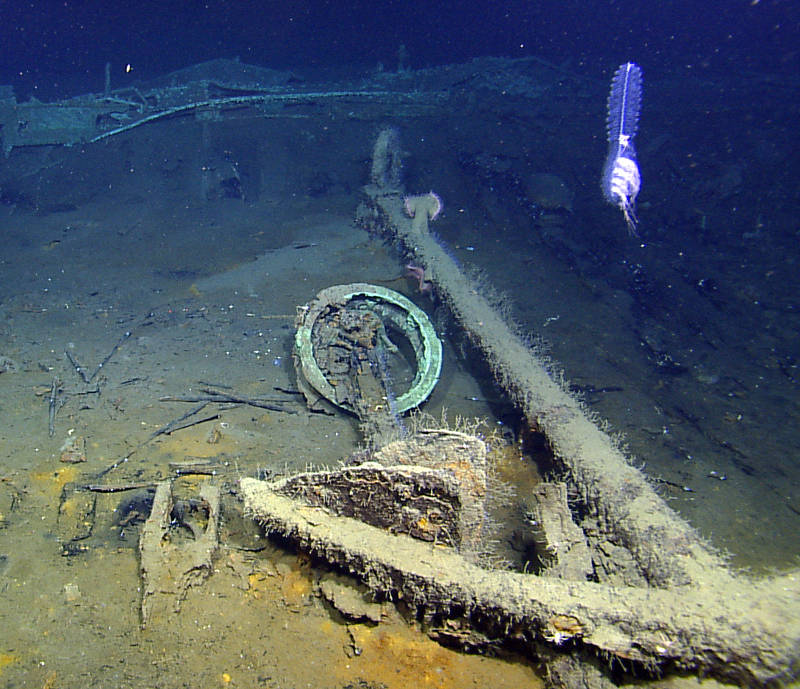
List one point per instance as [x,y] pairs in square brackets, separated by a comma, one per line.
[428,351]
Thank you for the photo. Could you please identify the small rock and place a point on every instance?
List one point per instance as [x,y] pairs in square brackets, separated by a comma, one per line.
[73,450]
[71,593]
[215,436]
[349,601]
[8,365]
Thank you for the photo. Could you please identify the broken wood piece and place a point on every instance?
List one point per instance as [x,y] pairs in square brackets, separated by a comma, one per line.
[351,602]
[173,425]
[117,487]
[210,395]
[193,422]
[81,371]
[57,397]
[169,570]
[194,466]
[262,403]
[113,351]
[119,462]
[78,368]
[560,544]
[55,402]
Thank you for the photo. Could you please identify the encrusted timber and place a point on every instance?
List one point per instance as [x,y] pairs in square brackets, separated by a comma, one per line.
[697,631]
[169,571]
[416,500]
[668,550]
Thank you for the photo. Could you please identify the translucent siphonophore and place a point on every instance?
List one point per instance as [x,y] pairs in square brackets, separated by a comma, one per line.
[621,178]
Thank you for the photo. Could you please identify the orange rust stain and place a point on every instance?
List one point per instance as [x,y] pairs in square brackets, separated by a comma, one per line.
[568,624]
[393,655]
[296,588]
[403,658]
[293,588]
[513,467]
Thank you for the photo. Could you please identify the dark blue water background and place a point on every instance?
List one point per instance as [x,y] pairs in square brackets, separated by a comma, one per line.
[55,48]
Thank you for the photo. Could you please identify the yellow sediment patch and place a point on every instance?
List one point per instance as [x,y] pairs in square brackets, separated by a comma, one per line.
[52,482]
[258,585]
[7,659]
